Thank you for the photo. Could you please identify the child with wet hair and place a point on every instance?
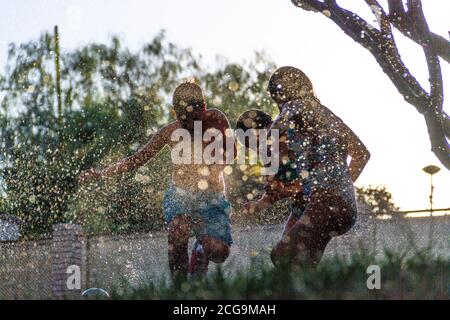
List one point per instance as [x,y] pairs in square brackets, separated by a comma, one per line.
[195,202]
[320,143]
[286,183]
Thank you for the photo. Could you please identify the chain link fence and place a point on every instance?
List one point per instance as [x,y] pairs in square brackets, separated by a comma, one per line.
[25,269]
[112,261]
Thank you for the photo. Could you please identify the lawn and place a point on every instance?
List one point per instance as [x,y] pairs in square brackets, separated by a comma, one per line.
[403,276]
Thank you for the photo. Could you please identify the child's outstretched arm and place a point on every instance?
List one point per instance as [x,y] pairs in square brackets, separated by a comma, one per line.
[355,147]
[264,202]
[141,157]
[276,190]
[273,192]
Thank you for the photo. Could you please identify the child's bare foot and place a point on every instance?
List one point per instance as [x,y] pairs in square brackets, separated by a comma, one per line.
[198,266]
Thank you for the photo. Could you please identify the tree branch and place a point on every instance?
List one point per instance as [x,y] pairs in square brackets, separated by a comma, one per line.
[382,46]
[310,5]
[385,51]
[441,46]
[434,67]
[446,125]
[434,117]
[382,18]
[402,20]
[396,8]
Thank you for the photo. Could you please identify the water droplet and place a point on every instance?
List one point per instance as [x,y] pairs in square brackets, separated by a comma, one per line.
[202,184]
[204,171]
[233,86]
[228,170]
[326,13]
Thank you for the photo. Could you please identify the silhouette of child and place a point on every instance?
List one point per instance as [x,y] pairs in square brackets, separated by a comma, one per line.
[319,142]
[195,200]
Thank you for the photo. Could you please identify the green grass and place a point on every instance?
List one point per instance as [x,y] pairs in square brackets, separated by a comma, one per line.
[420,276]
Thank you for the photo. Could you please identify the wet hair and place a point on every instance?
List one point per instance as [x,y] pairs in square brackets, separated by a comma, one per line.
[289,83]
[188,97]
[254,119]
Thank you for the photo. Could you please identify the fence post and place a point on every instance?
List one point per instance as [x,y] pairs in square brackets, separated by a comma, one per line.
[67,261]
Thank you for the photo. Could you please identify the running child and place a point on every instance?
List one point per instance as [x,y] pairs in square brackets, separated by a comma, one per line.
[321,144]
[286,183]
[195,201]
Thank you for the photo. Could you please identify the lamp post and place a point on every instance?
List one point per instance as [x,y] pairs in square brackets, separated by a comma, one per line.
[431,170]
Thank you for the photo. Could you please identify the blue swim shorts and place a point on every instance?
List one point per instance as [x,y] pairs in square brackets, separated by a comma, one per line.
[210,211]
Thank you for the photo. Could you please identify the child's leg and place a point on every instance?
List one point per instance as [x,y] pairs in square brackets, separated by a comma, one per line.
[326,215]
[205,250]
[300,244]
[291,221]
[214,235]
[216,250]
[178,240]
[198,264]
[298,207]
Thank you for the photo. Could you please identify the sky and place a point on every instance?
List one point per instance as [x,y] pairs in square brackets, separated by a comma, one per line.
[345,76]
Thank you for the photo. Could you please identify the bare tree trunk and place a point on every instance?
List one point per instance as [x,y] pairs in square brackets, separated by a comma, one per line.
[381,44]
